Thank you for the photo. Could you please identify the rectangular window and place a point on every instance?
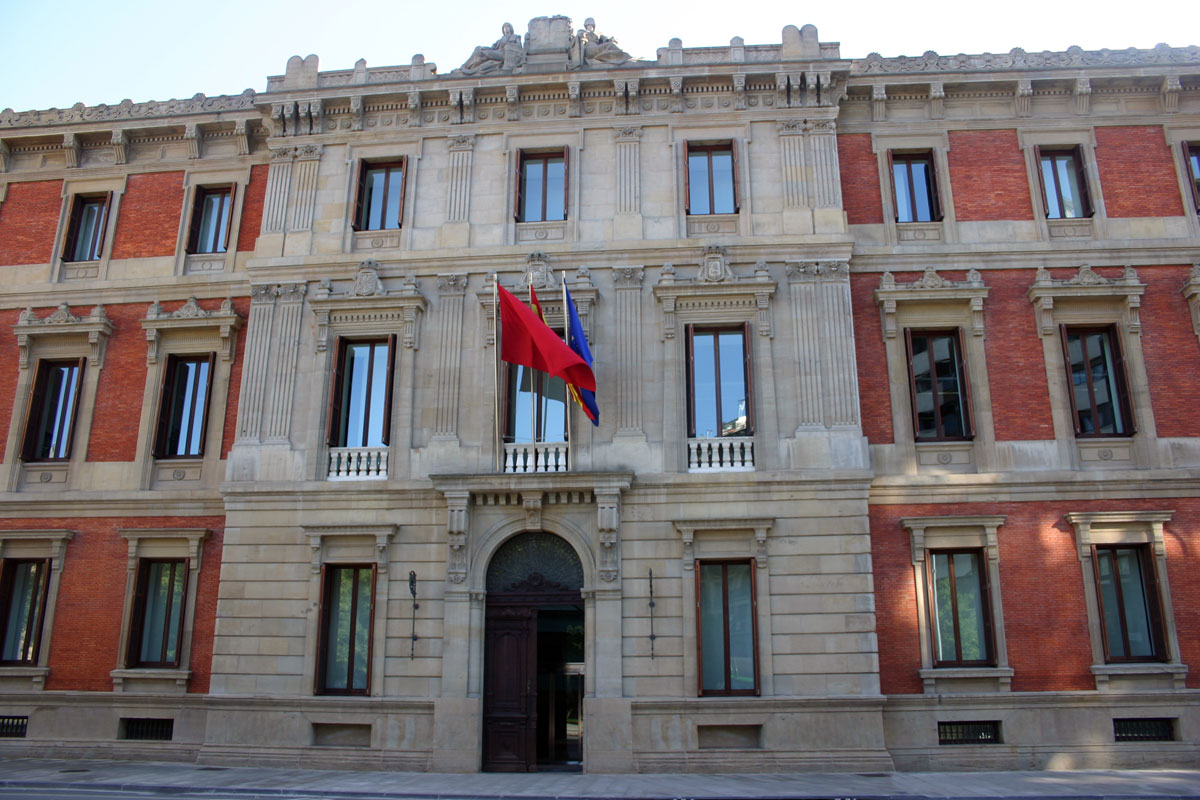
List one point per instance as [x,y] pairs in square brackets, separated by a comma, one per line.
[914,187]
[85,229]
[360,406]
[51,419]
[1097,381]
[380,202]
[1064,184]
[536,407]
[726,631]
[347,608]
[710,180]
[969,732]
[25,583]
[938,384]
[719,400]
[156,629]
[211,215]
[542,186]
[959,613]
[1129,612]
[183,415]
[1191,157]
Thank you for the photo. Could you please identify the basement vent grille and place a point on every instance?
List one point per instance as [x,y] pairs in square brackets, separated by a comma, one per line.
[969,732]
[147,729]
[13,727]
[1154,729]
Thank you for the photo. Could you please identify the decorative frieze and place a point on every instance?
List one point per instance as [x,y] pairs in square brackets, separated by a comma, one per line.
[1017,58]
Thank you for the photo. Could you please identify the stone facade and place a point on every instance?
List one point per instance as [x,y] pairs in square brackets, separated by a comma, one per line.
[819,488]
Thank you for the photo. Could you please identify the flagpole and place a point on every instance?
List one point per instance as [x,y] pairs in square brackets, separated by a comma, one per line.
[532,398]
[567,339]
[497,435]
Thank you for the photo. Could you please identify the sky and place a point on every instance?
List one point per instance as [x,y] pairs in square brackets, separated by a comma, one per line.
[55,54]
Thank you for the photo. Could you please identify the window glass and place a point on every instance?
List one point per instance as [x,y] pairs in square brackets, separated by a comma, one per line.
[24,601]
[1094,382]
[536,402]
[698,183]
[364,394]
[719,392]
[214,220]
[185,404]
[959,610]
[347,628]
[1193,158]
[727,657]
[382,187]
[912,180]
[1125,606]
[52,423]
[162,612]
[938,386]
[543,188]
[712,626]
[89,230]
[722,182]
[741,622]
[555,189]
[1061,182]
[710,180]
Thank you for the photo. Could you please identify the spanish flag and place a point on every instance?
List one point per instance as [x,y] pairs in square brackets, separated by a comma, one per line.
[528,341]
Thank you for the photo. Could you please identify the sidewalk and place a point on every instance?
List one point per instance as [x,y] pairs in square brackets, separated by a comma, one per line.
[45,775]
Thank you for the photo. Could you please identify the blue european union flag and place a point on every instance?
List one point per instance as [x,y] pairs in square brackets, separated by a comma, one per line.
[577,341]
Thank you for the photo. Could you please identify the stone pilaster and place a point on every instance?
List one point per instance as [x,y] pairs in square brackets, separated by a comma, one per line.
[291,304]
[279,178]
[628,282]
[307,161]
[451,292]
[258,345]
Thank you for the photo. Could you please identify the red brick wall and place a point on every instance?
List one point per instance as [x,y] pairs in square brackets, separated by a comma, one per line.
[1041,587]
[859,170]
[148,220]
[1016,366]
[8,371]
[28,221]
[988,177]
[86,642]
[252,207]
[1171,351]
[117,415]
[1137,172]
[874,399]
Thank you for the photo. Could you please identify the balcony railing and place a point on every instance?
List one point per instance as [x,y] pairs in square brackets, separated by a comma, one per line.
[358,463]
[535,457]
[726,454]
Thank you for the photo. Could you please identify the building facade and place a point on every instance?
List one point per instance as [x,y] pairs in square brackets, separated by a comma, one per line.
[897,463]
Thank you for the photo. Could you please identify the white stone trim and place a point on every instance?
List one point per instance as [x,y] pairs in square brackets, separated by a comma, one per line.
[51,544]
[113,186]
[938,144]
[1090,228]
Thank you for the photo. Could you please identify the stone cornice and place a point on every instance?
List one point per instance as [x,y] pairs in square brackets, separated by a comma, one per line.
[1072,58]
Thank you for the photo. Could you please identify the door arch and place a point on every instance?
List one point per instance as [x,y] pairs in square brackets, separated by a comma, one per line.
[533,655]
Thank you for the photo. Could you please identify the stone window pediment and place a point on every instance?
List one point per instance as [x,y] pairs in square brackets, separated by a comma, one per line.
[1087,289]
[368,307]
[63,331]
[930,288]
[192,325]
[716,295]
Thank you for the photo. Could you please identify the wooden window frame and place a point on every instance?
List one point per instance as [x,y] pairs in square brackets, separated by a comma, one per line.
[37,410]
[1119,381]
[908,158]
[360,191]
[747,374]
[964,386]
[37,611]
[985,592]
[169,404]
[1150,589]
[96,245]
[320,686]
[710,148]
[137,620]
[1192,150]
[197,220]
[526,156]
[1085,194]
[335,435]
[725,562]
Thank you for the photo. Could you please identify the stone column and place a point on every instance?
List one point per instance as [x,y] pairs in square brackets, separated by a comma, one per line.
[451,291]
[258,345]
[627,223]
[828,216]
[307,162]
[628,281]
[279,419]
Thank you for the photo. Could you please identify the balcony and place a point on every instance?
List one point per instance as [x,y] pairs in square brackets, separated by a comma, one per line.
[522,457]
[358,463]
[724,454]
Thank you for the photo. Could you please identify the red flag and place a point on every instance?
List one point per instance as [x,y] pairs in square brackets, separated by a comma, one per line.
[527,341]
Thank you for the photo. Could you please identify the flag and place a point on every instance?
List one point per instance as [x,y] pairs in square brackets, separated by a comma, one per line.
[577,341]
[526,340]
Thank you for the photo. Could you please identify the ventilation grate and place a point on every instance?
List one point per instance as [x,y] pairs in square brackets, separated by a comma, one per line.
[147,729]
[13,727]
[969,732]
[1153,729]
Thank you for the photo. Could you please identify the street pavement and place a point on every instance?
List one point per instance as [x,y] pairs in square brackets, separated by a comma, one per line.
[80,779]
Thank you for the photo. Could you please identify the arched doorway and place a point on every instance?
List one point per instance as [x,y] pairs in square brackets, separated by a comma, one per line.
[533,656]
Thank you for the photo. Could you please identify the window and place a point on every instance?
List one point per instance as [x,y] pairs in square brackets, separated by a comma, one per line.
[380,202]
[1097,383]
[914,187]
[958,605]
[85,230]
[728,636]
[1191,157]
[23,594]
[360,406]
[347,608]
[182,417]
[542,186]
[536,410]
[1064,184]
[710,180]
[1130,619]
[156,627]
[211,217]
[938,382]
[719,403]
[51,421]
